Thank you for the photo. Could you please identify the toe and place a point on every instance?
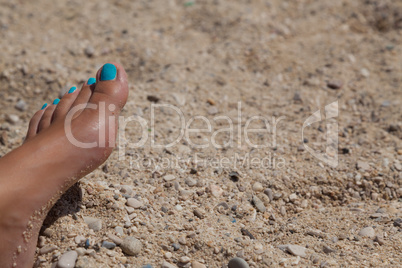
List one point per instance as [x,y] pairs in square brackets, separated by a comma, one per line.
[111,86]
[34,123]
[47,116]
[84,94]
[64,105]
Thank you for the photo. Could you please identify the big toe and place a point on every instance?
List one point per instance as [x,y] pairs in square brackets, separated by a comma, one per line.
[111,87]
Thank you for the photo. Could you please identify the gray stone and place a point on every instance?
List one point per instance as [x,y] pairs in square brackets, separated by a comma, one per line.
[296,250]
[327,249]
[269,193]
[259,204]
[93,223]
[21,105]
[168,265]
[131,246]
[117,240]
[47,249]
[335,84]
[367,232]
[363,166]
[125,189]
[191,182]
[89,51]
[212,110]
[238,263]
[67,260]
[86,262]
[108,245]
[176,246]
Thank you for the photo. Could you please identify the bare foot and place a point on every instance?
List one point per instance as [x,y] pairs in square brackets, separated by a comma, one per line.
[65,141]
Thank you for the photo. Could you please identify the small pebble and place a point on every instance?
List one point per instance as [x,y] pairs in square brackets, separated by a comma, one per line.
[297,250]
[259,204]
[93,223]
[327,249]
[367,232]
[21,105]
[47,249]
[108,245]
[184,259]
[238,263]
[176,246]
[126,189]
[168,265]
[169,177]
[212,110]
[89,51]
[79,239]
[364,72]
[335,84]
[269,193]
[131,246]
[134,203]
[119,230]
[68,259]
[379,240]
[293,197]
[257,187]
[216,191]
[196,264]
[191,182]
[12,118]
[198,213]
[117,240]
[363,166]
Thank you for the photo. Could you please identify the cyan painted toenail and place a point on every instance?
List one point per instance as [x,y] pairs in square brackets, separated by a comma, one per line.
[91,81]
[44,106]
[72,89]
[109,72]
[56,101]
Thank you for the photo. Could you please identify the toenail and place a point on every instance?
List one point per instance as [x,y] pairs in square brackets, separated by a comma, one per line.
[56,101]
[109,72]
[91,81]
[72,89]
[44,106]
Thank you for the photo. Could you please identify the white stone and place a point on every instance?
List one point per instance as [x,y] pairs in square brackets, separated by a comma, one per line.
[169,177]
[257,187]
[367,232]
[216,190]
[297,250]
[134,203]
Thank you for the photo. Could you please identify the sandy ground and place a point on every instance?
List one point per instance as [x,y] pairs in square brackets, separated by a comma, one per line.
[278,59]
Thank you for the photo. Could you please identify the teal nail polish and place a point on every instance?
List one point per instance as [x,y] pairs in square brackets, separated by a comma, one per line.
[91,81]
[44,106]
[109,72]
[56,101]
[72,89]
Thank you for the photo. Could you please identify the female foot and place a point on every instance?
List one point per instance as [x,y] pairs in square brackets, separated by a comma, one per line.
[66,140]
